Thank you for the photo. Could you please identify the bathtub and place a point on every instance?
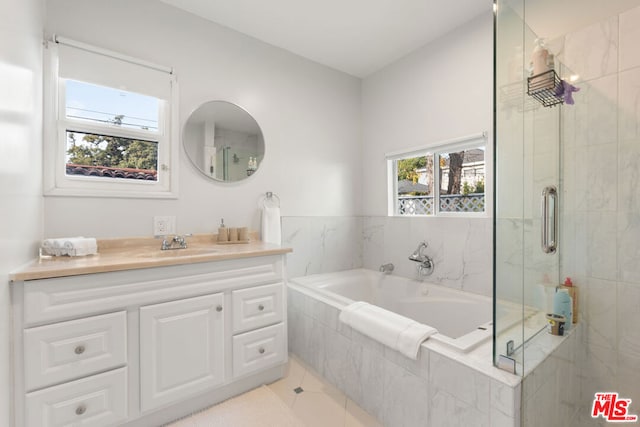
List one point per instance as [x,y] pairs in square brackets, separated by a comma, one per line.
[463,320]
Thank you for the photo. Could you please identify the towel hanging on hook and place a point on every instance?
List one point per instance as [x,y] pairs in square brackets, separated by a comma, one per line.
[271,226]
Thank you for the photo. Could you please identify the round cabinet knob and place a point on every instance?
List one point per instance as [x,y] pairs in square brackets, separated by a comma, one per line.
[81,410]
[261,350]
[79,349]
[261,307]
[219,308]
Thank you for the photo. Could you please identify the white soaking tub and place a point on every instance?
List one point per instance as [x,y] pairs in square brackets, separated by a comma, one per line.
[463,320]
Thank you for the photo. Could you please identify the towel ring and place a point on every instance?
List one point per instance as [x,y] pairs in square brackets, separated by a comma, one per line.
[270,197]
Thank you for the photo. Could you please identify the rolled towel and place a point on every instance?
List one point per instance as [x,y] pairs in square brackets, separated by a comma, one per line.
[393,330]
[71,246]
[79,242]
[80,246]
[52,246]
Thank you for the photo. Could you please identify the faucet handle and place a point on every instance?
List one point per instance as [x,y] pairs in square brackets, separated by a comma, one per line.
[386,268]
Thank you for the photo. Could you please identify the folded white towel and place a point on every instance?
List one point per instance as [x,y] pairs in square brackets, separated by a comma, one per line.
[393,330]
[271,229]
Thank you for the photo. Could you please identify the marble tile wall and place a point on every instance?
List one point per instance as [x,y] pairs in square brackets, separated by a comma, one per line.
[601,225]
[460,247]
[322,244]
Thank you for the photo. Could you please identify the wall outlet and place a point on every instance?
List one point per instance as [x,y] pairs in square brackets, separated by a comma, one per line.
[164,225]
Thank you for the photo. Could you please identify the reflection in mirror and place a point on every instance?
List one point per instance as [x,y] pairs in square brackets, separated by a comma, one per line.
[223,141]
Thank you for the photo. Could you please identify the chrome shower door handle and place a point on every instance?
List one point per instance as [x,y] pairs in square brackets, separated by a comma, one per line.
[549,219]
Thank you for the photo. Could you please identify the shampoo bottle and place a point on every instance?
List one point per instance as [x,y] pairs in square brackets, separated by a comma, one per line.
[573,293]
[540,58]
[563,306]
[541,63]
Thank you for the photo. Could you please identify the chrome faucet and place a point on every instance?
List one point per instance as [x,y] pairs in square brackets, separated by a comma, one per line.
[425,266]
[386,268]
[177,242]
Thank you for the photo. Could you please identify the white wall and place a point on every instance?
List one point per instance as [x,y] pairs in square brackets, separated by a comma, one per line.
[438,92]
[20,158]
[309,114]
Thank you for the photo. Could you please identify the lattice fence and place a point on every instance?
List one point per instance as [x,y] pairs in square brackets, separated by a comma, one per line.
[423,205]
[415,205]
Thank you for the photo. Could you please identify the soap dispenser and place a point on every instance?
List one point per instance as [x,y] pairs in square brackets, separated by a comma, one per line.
[223,233]
[563,306]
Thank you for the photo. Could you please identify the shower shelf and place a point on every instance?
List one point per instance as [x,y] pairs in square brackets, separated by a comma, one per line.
[546,87]
[512,96]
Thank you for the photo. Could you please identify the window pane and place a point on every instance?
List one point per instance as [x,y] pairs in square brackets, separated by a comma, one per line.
[462,180]
[415,185]
[106,156]
[105,105]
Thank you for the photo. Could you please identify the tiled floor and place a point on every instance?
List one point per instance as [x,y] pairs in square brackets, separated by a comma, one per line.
[320,404]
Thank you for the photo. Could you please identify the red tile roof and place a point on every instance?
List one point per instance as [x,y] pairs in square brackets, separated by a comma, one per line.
[103,171]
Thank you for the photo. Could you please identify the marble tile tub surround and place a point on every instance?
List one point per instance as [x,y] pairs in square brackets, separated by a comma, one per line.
[460,247]
[601,210]
[442,387]
[550,392]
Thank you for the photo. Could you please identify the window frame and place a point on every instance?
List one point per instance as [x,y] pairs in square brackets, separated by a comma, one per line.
[435,150]
[56,124]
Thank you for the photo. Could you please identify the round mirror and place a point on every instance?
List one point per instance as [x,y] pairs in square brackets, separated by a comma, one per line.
[223,141]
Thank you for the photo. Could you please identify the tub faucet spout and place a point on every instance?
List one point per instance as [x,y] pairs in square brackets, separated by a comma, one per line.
[425,263]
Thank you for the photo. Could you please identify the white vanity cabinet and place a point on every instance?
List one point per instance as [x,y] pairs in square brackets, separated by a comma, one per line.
[146,346]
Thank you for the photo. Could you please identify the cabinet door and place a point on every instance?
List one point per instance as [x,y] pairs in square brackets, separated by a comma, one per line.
[181,349]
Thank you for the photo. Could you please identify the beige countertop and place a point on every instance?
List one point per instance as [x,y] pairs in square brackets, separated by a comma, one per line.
[135,253]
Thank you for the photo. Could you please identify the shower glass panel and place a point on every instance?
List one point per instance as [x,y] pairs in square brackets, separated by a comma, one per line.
[527,161]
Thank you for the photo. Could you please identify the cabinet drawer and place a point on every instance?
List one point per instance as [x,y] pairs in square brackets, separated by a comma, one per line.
[258,349]
[99,400]
[68,350]
[257,307]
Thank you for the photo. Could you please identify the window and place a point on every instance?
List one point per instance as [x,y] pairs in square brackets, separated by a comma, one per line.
[445,179]
[109,124]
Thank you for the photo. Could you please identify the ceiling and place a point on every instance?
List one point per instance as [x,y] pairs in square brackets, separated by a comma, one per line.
[357,37]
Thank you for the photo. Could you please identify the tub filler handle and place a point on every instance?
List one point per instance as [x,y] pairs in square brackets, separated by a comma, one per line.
[425,262]
[386,268]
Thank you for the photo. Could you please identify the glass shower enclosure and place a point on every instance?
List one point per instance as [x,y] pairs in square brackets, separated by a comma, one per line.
[527,240]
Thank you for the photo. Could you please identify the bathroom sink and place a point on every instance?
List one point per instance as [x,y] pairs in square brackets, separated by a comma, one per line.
[176,253]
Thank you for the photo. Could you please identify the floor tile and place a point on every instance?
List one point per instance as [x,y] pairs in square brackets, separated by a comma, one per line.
[314,382]
[319,404]
[284,387]
[320,409]
[357,417]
